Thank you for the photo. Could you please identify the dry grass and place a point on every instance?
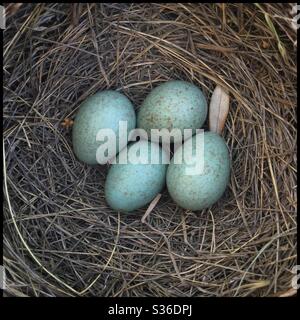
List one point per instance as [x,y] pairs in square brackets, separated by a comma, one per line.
[60,238]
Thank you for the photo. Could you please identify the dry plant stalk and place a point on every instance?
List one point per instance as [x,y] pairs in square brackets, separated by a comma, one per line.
[218,109]
[151,206]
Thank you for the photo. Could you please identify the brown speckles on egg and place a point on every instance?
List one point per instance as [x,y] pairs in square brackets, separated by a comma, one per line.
[180,102]
[196,192]
[131,186]
[102,110]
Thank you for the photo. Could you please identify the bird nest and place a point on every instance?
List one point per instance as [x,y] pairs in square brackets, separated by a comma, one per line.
[61,238]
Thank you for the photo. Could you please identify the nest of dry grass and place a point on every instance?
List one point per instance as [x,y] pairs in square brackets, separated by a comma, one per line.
[60,237]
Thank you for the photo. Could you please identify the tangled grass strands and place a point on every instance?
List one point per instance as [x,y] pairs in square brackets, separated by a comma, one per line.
[61,238]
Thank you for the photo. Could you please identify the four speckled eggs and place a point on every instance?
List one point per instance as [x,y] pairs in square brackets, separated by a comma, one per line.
[130,186]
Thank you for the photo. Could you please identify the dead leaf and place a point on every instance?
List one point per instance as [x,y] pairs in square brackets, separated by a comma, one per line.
[67,123]
[288,293]
[12,8]
[218,109]
[265,44]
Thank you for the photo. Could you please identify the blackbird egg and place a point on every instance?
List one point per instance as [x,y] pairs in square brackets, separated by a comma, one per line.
[193,190]
[173,105]
[132,185]
[103,110]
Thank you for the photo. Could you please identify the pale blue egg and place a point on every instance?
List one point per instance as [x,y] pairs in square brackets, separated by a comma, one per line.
[173,104]
[199,191]
[131,186]
[102,110]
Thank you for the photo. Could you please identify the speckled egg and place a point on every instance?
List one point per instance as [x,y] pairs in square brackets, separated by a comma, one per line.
[133,185]
[173,104]
[199,191]
[102,110]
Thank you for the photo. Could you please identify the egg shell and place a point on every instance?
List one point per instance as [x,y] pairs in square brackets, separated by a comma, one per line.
[102,110]
[131,186]
[173,104]
[199,191]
